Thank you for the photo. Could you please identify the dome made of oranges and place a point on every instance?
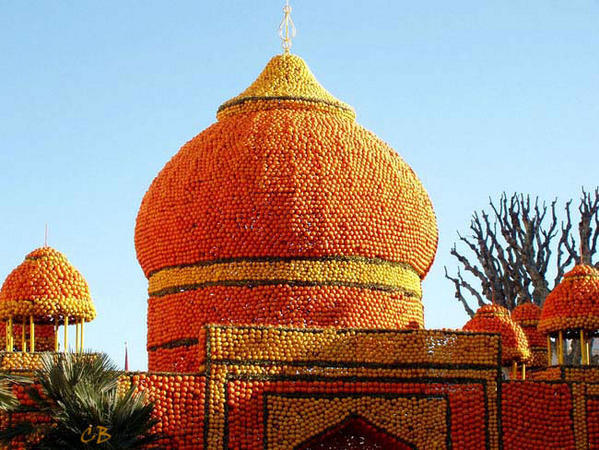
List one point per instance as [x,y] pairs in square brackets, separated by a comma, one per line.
[496,319]
[285,211]
[526,314]
[46,286]
[574,302]
[285,172]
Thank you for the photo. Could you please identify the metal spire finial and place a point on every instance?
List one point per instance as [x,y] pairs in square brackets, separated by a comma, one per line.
[286,28]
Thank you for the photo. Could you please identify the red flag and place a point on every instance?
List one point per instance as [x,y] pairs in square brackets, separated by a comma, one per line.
[126,359]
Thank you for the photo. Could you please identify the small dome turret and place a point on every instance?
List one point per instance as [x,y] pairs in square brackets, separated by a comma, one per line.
[574,303]
[41,293]
[496,319]
[46,286]
[571,312]
[527,315]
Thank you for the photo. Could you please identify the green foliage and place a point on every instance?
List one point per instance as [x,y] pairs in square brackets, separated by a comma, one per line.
[8,401]
[79,393]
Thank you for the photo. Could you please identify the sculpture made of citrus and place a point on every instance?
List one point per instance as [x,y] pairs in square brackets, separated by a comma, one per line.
[496,319]
[46,286]
[284,212]
[574,302]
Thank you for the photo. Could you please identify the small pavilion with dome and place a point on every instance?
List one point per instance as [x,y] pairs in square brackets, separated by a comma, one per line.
[570,316]
[515,349]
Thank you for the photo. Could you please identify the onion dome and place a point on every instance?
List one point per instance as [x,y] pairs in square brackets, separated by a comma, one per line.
[496,319]
[47,287]
[574,303]
[527,315]
[283,212]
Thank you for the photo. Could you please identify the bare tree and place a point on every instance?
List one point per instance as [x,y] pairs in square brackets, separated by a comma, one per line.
[588,227]
[512,250]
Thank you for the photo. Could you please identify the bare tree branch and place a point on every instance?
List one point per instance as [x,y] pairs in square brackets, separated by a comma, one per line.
[588,208]
[459,283]
[513,249]
[566,242]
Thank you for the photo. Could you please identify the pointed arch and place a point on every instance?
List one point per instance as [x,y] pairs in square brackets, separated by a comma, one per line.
[355,432]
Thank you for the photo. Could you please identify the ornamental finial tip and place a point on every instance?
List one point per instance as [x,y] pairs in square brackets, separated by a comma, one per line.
[286,28]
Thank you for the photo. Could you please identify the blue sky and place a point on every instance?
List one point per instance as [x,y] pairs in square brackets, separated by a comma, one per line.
[95,97]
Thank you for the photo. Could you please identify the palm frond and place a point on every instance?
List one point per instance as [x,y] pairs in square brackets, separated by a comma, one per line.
[79,391]
[8,401]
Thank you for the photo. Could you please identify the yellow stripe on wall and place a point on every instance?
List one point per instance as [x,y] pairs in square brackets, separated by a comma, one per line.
[359,272]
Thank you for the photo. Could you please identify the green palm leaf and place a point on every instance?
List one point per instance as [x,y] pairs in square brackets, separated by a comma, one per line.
[8,401]
[80,391]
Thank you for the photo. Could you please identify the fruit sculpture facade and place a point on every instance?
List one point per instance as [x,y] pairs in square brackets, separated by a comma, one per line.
[284,248]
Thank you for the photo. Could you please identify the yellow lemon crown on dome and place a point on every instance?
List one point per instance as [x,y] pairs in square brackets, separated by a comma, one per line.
[286,79]
[283,212]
